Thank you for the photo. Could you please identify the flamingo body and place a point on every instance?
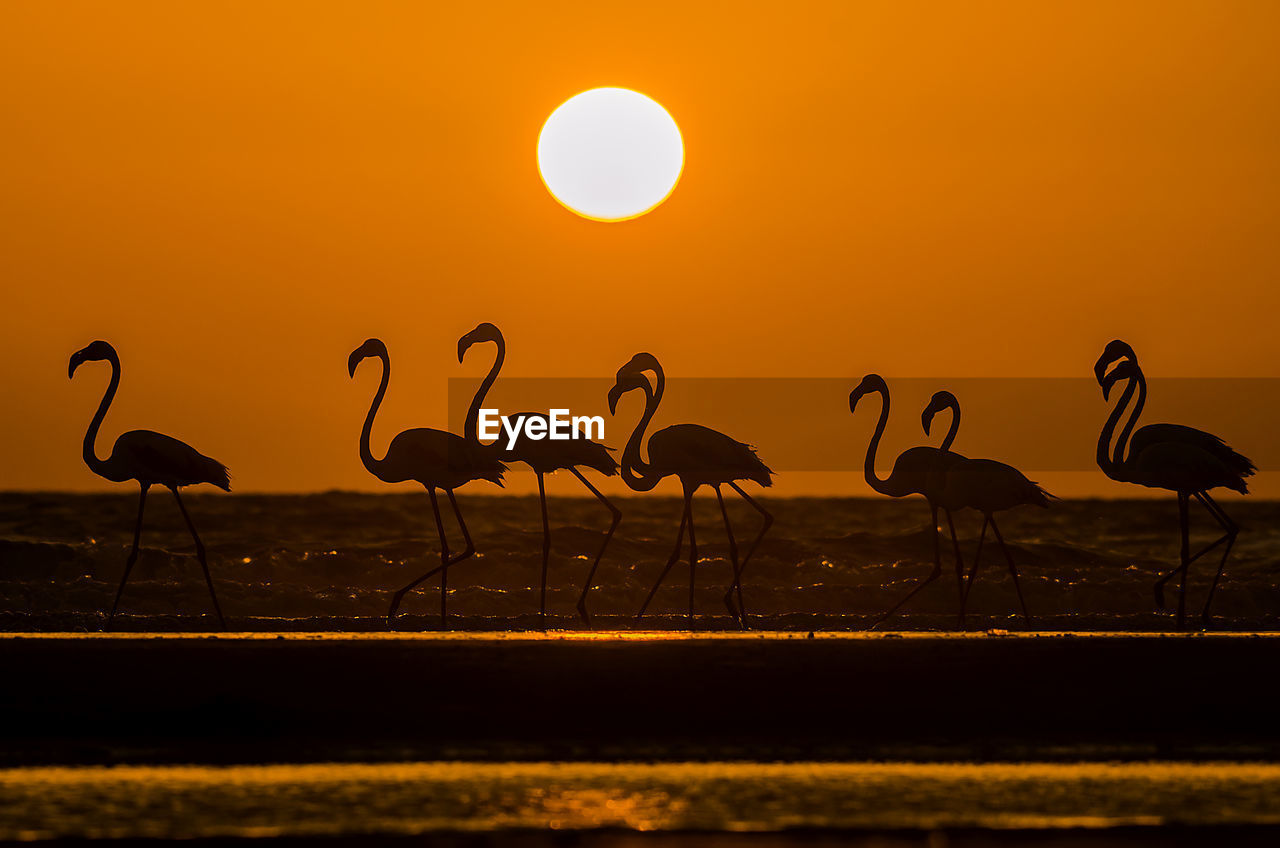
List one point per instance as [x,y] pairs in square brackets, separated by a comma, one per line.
[154,459]
[150,458]
[700,456]
[1173,457]
[436,458]
[697,456]
[545,456]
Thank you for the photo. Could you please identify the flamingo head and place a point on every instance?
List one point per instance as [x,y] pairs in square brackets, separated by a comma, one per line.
[371,347]
[640,363]
[484,332]
[870,383]
[1126,370]
[1115,351]
[627,383]
[940,401]
[93,352]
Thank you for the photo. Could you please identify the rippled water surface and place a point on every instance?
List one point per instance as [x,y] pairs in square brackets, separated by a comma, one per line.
[330,799]
[331,561]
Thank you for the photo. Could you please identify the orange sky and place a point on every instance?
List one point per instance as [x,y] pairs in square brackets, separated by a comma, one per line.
[237,194]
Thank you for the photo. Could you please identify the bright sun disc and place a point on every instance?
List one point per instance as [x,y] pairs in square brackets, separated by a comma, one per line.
[610,154]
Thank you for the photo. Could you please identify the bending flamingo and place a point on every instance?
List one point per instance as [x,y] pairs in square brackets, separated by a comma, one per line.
[153,459]
[434,458]
[544,456]
[987,486]
[1183,460]
[916,471]
[698,456]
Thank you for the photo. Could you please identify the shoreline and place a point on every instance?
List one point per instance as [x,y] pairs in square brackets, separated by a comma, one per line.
[332,697]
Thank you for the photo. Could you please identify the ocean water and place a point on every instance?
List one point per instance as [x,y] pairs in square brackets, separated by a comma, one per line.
[422,798]
[331,561]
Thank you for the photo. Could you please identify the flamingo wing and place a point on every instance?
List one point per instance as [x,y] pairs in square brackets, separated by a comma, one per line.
[153,457]
[437,458]
[710,454]
[1154,434]
[1184,466]
[548,455]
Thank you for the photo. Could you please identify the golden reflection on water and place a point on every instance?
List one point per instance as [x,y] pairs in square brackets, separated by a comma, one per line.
[643,635]
[317,799]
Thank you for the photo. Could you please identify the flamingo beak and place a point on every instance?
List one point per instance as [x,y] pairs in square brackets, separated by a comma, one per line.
[615,394]
[353,360]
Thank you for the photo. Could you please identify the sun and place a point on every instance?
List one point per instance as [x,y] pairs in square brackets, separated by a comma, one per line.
[610,154]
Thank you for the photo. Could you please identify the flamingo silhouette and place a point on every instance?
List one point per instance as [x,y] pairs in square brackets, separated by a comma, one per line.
[698,456]
[916,471]
[1183,460]
[544,456]
[987,486]
[153,459]
[434,458]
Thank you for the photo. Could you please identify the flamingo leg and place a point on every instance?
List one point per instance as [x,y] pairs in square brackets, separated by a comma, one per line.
[973,572]
[467,552]
[1184,520]
[204,562]
[133,553]
[1013,569]
[933,575]
[613,525]
[546,550]
[672,560]
[444,564]
[768,522]
[1232,530]
[937,538]
[733,558]
[955,543]
[693,558]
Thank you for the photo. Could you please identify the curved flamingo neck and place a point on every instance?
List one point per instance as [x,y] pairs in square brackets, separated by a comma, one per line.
[1123,441]
[471,429]
[99,466]
[366,455]
[869,467]
[954,406]
[1111,464]
[636,473]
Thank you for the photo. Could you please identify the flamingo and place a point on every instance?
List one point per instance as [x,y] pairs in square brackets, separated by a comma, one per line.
[698,456]
[916,471]
[1183,460]
[544,456]
[434,458]
[153,459]
[987,486]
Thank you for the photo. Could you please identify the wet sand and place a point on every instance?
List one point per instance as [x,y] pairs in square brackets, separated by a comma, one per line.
[246,698]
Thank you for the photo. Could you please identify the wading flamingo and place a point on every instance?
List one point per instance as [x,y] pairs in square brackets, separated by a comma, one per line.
[544,456]
[434,458]
[153,459]
[1183,460]
[987,486]
[698,456]
[916,471]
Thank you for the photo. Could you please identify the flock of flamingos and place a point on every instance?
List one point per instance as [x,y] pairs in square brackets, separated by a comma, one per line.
[1188,462]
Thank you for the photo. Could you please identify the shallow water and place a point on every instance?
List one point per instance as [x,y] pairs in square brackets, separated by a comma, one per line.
[329,799]
[333,560]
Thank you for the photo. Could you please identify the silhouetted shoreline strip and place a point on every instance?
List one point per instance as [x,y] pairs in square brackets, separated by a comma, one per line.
[229,699]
